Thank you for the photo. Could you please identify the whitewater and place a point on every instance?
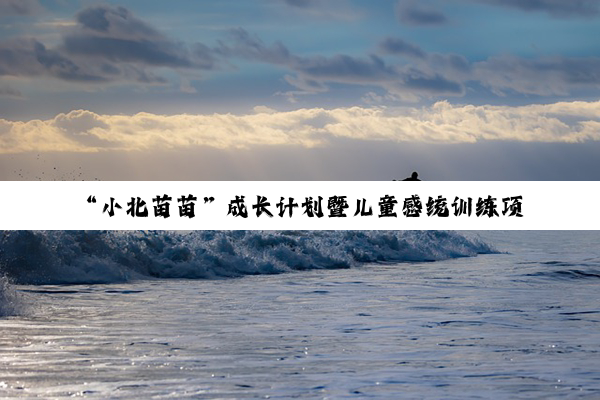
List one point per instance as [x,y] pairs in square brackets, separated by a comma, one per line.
[322,314]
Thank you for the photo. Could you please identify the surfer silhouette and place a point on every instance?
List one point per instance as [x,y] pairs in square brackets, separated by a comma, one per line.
[413,177]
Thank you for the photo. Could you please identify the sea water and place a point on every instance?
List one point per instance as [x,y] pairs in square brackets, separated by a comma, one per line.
[300,314]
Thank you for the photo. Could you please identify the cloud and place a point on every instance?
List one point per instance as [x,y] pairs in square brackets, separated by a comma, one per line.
[299,3]
[22,57]
[243,44]
[114,34]
[28,57]
[264,110]
[108,44]
[415,13]
[115,21]
[556,8]
[425,75]
[400,47]
[8,91]
[410,12]
[544,76]
[329,9]
[77,125]
[315,72]
[85,131]
[19,7]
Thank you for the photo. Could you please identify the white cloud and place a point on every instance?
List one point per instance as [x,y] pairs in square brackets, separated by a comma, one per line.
[264,110]
[85,131]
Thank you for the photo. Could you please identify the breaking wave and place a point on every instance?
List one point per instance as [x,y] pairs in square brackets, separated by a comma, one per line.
[10,300]
[74,257]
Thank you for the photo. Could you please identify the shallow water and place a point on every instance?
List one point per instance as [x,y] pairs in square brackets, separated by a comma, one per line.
[522,324]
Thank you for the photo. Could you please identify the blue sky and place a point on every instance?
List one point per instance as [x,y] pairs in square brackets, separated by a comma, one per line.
[257,79]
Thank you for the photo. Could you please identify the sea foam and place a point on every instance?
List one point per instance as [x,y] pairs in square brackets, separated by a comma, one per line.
[11,302]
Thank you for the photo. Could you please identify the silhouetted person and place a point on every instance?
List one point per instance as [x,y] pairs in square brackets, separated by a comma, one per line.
[413,177]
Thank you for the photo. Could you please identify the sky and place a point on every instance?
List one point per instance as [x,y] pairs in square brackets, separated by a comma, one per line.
[299,89]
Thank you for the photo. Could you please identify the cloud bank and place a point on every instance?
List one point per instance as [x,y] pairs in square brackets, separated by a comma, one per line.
[542,76]
[110,45]
[420,74]
[85,131]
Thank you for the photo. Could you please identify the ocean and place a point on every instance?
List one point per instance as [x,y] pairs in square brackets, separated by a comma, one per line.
[453,315]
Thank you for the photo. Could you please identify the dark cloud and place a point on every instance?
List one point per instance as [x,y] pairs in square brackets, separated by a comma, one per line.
[299,3]
[412,13]
[545,76]
[8,91]
[109,44]
[129,51]
[115,21]
[402,48]
[19,7]
[448,64]
[344,68]
[343,10]
[114,34]
[434,85]
[316,68]
[557,8]
[315,72]
[448,73]
[28,57]
[416,13]
[243,44]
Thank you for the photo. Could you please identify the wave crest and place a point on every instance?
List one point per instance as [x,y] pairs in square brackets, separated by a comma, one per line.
[56,257]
